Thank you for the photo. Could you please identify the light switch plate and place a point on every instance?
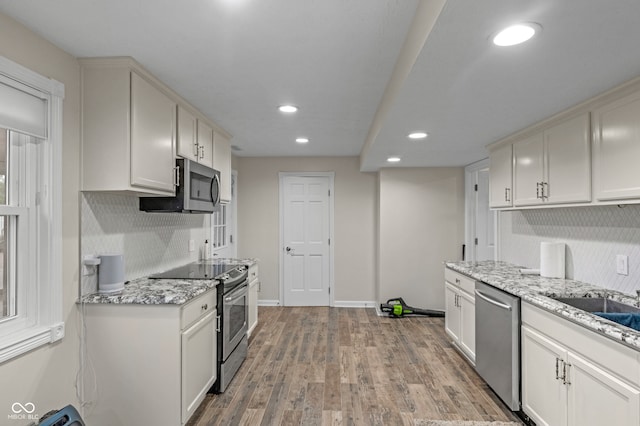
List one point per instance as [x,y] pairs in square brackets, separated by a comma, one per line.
[622,264]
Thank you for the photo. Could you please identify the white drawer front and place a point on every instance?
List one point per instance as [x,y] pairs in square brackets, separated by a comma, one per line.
[197,308]
[465,283]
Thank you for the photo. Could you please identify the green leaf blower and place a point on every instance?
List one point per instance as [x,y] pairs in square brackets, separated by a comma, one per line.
[397,308]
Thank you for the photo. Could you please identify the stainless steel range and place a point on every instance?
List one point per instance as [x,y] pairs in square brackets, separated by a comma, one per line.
[232,306]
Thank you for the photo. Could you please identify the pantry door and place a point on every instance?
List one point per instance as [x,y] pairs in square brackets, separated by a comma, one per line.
[306,210]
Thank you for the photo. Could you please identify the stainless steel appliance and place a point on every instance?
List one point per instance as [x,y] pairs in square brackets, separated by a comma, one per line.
[498,342]
[232,305]
[197,191]
[233,311]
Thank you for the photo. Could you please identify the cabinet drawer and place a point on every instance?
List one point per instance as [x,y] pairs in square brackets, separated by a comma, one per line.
[253,272]
[462,281]
[197,308]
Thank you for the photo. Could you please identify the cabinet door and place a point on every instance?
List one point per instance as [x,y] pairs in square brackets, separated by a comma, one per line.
[568,161]
[597,398]
[468,324]
[544,396]
[205,144]
[500,177]
[616,149]
[222,162]
[187,142]
[528,157]
[253,305]
[199,366]
[153,117]
[452,316]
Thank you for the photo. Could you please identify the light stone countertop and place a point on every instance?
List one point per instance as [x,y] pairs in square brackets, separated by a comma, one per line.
[538,291]
[147,291]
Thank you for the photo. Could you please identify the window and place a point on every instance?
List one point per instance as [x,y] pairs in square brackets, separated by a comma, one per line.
[219,230]
[30,203]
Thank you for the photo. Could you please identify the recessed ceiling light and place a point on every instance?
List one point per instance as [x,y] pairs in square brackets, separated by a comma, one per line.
[516,34]
[393,159]
[302,140]
[417,135]
[288,108]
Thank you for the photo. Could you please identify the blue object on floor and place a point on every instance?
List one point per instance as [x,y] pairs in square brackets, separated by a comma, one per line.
[626,319]
[67,416]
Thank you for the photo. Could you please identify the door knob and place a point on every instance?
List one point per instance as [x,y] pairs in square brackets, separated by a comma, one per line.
[289,249]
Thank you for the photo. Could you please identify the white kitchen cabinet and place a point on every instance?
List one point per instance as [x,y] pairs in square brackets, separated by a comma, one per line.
[572,376]
[205,144]
[153,364]
[554,166]
[128,129]
[254,289]
[199,364]
[501,177]
[187,135]
[544,396]
[616,149]
[460,316]
[222,163]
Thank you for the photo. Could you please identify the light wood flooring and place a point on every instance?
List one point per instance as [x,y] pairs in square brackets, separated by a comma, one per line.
[332,366]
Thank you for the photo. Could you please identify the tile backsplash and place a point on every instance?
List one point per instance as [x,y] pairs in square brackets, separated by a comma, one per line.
[594,236]
[150,242]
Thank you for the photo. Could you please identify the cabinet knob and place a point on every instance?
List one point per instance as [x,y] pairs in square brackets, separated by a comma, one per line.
[205,307]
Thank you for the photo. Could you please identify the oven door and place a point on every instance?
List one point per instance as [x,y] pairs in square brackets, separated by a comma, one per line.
[235,318]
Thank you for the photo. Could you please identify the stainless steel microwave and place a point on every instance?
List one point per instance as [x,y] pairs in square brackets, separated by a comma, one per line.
[197,191]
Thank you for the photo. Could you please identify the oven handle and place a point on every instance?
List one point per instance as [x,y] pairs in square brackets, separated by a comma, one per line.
[492,301]
[237,294]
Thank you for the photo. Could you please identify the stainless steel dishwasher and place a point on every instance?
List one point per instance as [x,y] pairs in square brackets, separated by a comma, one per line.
[498,342]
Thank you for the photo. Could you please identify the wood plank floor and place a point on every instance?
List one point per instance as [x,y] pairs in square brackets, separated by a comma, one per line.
[333,366]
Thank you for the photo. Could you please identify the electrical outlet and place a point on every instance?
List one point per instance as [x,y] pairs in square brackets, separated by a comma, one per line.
[622,264]
[192,245]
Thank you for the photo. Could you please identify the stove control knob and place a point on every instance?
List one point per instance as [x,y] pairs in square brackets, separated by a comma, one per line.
[224,277]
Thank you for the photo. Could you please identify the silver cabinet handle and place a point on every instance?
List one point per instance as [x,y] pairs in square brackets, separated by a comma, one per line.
[538,190]
[202,152]
[218,324]
[492,301]
[196,148]
[565,373]
[545,190]
[558,361]
[176,176]
[507,194]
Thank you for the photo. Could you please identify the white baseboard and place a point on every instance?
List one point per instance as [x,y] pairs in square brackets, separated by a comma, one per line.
[354,304]
[266,302]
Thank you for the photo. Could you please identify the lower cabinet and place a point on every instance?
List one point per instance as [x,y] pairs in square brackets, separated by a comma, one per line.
[460,318]
[254,289]
[150,364]
[581,381]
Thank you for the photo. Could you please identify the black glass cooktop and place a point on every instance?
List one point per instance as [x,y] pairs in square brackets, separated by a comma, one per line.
[195,271]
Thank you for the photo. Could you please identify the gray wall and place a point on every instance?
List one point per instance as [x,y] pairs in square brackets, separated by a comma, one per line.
[421,226]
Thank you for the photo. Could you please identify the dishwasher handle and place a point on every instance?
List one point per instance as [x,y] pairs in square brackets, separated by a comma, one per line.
[492,301]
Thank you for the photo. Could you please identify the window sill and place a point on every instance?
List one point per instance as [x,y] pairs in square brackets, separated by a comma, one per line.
[28,339]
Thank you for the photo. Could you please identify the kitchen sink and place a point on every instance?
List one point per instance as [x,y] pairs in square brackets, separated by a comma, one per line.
[598,304]
[618,312]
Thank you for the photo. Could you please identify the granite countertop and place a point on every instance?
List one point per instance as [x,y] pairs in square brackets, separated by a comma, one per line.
[147,291]
[539,291]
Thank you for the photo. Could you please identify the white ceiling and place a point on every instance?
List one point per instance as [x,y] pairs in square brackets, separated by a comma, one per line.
[237,60]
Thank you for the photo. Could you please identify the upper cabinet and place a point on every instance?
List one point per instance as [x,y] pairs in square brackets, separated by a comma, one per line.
[134,126]
[128,130]
[205,144]
[554,166]
[187,134]
[222,163]
[616,149]
[500,177]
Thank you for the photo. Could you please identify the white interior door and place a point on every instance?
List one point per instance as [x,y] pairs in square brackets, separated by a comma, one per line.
[305,237]
[480,220]
[485,220]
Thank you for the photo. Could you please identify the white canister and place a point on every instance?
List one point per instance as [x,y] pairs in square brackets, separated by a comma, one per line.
[111,273]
